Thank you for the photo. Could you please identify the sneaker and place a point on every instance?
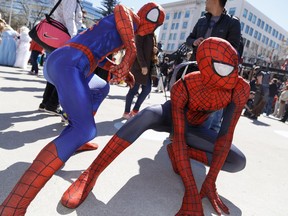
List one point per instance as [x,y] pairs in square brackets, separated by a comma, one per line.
[253,117]
[133,113]
[57,111]
[64,118]
[41,107]
[126,116]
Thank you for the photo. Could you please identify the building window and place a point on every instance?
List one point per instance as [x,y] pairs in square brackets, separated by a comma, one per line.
[168,46]
[173,26]
[258,22]
[266,27]
[179,15]
[182,36]
[250,16]
[174,36]
[245,12]
[255,34]
[184,25]
[165,26]
[172,46]
[251,31]
[187,14]
[270,29]
[263,39]
[242,25]
[175,15]
[163,36]
[259,36]
[170,36]
[232,11]
[167,17]
[254,19]
[247,29]
[247,43]
[273,32]
[262,24]
[177,26]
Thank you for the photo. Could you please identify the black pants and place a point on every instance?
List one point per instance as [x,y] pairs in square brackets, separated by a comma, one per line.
[33,59]
[50,97]
[285,117]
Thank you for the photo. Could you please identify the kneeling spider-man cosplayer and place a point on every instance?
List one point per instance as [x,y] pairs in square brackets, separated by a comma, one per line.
[193,98]
[70,68]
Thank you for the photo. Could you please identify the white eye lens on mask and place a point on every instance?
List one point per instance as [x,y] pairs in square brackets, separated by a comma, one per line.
[223,69]
[153,15]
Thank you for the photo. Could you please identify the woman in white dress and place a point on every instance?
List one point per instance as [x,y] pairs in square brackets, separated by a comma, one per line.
[23,53]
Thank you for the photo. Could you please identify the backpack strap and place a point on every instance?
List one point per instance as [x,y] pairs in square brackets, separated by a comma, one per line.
[54,8]
[185,85]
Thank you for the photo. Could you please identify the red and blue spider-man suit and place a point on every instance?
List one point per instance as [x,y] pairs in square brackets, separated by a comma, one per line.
[216,86]
[70,69]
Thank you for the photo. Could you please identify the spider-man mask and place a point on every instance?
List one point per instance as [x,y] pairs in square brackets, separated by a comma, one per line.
[218,63]
[151,16]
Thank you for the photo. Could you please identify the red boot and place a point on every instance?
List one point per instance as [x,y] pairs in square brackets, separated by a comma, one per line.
[79,190]
[31,182]
[88,147]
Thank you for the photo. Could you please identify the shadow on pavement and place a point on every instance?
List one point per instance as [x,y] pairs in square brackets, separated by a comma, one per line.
[13,139]
[156,191]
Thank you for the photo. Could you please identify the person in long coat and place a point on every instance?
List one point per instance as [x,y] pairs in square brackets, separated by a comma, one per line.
[141,69]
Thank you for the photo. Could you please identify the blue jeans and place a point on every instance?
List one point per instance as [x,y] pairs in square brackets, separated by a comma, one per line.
[214,121]
[268,106]
[146,89]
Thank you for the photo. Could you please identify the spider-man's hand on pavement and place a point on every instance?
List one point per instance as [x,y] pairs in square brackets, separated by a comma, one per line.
[209,190]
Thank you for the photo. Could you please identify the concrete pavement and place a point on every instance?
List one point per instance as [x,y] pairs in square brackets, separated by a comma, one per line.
[140,181]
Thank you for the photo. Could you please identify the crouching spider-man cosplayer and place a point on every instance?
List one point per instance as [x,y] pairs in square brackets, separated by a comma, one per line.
[216,86]
[80,93]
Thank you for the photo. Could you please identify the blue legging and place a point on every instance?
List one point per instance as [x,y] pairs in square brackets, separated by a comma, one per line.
[145,90]
[79,95]
[159,118]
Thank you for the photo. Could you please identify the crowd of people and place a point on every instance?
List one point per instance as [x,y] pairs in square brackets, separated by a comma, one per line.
[269,94]
[206,101]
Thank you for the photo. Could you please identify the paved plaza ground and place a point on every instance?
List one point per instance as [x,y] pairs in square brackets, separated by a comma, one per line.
[141,181]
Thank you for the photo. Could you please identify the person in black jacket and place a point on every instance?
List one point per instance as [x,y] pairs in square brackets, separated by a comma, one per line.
[215,23]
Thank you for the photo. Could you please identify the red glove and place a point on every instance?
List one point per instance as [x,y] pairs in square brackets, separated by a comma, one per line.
[209,190]
[130,80]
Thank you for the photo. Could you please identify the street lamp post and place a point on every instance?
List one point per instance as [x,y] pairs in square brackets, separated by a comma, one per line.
[10,15]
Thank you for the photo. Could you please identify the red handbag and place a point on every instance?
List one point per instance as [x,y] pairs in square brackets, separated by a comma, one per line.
[49,33]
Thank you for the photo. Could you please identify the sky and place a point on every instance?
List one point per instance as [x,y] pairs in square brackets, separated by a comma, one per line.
[275,10]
